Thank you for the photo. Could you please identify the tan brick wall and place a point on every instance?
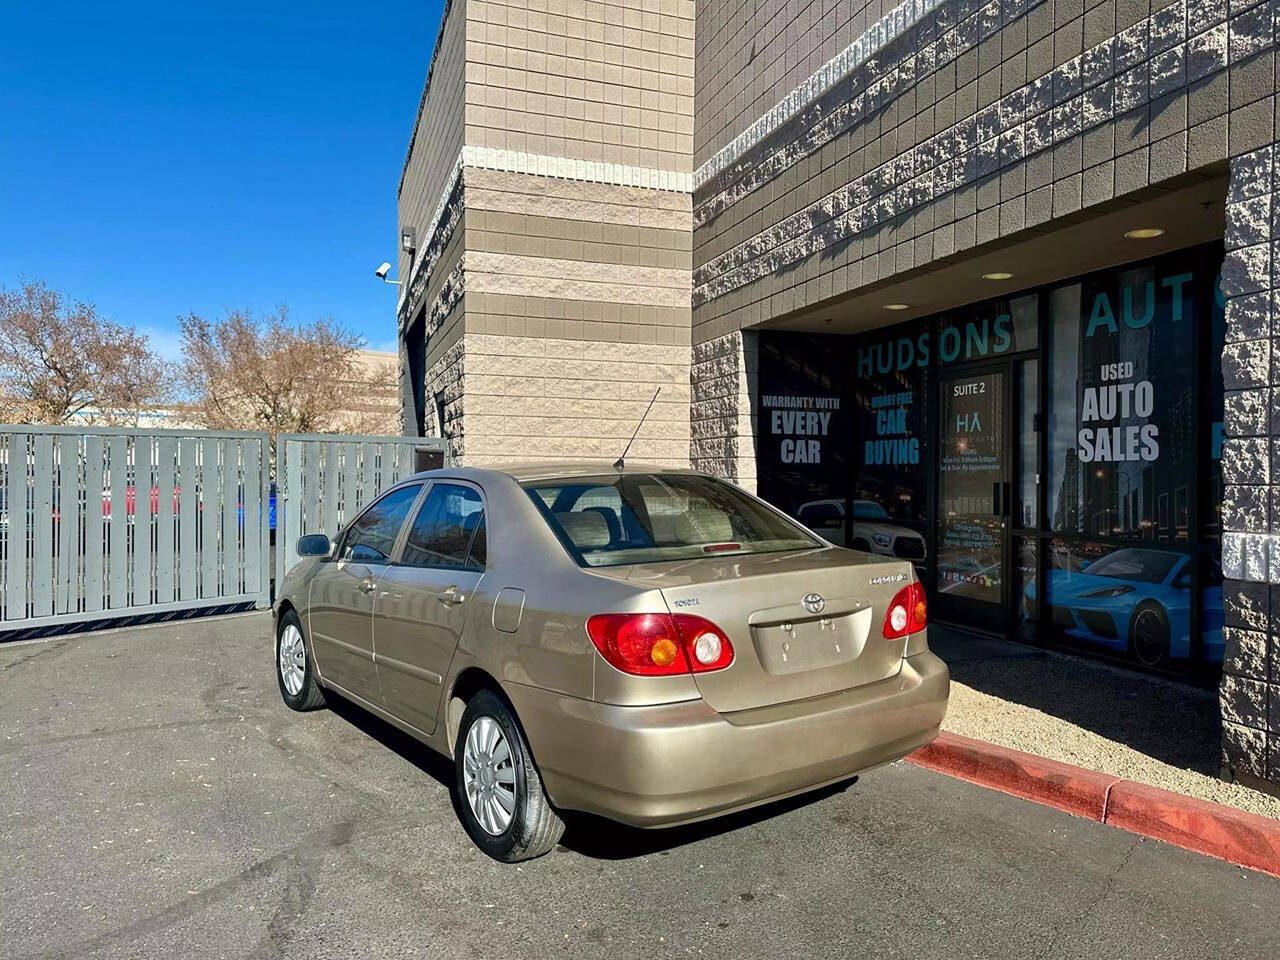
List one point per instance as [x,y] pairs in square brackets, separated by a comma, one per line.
[539,398]
[576,278]
[572,321]
[607,82]
[580,200]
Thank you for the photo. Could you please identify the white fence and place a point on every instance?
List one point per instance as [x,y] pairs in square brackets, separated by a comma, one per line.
[98,523]
[324,480]
[104,523]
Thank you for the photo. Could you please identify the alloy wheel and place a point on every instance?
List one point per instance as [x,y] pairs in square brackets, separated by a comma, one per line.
[293,659]
[488,776]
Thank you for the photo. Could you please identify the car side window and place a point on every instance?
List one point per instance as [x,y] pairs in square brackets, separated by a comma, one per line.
[479,554]
[445,531]
[371,538]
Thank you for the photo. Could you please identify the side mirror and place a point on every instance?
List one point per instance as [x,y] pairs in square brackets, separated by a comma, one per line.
[314,545]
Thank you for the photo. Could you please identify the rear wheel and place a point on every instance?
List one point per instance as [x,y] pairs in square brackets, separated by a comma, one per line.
[1149,635]
[501,801]
[295,671]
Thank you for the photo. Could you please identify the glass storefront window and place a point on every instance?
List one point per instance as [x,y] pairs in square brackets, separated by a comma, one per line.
[1122,441]
[804,432]
[1211,618]
[1026,574]
[986,330]
[1028,442]
[888,400]
[1211,504]
[1211,613]
[938,448]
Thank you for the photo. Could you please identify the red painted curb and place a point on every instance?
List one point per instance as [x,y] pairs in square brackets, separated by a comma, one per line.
[1071,789]
[1223,832]
[1245,839]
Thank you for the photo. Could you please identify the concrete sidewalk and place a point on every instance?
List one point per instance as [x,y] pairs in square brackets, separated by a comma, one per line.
[1090,714]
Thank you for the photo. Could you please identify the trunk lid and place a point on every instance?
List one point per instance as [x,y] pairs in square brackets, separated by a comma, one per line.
[784,649]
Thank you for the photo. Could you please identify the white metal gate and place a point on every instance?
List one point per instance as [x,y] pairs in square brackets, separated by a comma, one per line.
[324,480]
[100,523]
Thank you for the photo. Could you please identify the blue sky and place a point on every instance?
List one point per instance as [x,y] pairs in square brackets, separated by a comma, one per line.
[165,158]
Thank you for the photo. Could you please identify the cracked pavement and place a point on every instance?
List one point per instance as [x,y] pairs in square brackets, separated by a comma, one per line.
[161,801]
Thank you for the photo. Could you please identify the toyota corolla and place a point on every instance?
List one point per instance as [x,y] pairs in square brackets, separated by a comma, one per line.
[654,646]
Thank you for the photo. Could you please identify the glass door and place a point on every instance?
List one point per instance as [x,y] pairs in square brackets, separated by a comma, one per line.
[972,570]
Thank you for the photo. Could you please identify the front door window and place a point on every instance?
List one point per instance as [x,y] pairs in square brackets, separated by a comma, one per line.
[373,534]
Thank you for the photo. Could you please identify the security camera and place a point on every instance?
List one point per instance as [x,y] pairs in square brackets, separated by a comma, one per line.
[382,271]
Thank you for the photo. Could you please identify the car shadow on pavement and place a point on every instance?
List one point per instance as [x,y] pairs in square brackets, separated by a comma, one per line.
[603,839]
[587,835]
[1173,722]
[421,756]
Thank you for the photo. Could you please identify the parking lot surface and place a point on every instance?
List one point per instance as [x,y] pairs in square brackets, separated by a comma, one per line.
[161,801]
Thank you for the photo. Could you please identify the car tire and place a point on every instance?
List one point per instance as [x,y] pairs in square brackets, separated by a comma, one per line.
[295,669]
[491,778]
[1149,635]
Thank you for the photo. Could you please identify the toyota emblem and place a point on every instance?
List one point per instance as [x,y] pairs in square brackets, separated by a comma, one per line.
[814,602]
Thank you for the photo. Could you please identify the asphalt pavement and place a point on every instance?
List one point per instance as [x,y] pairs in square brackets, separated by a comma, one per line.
[161,801]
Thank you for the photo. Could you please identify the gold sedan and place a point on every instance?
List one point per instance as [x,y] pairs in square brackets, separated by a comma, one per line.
[655,646]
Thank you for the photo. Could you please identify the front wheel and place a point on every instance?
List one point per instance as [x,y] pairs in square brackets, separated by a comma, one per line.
[295,670]
[501,801]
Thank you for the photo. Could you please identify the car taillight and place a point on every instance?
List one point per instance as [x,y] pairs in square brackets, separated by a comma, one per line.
[705,644]
[907,612]
[659,644]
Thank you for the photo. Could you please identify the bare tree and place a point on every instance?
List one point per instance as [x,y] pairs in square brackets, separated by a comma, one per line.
[270,373]
[61,361]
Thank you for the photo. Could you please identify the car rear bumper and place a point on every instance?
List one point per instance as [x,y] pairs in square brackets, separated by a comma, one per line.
[661,765]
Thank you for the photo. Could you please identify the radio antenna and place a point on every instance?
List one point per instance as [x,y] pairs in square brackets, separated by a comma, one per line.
[618,464]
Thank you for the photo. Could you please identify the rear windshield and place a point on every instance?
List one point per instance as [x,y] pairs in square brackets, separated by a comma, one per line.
[641,518]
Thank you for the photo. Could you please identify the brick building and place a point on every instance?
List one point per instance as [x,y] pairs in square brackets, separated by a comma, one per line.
[985,286]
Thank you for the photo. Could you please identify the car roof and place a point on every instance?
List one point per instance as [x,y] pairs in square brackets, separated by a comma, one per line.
[549,470]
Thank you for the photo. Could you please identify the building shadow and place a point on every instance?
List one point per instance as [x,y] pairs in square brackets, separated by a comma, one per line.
[1173,722]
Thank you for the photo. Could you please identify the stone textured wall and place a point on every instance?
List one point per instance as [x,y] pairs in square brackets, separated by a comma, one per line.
[1250,691]
[445,377]
[980,122]
[722,418]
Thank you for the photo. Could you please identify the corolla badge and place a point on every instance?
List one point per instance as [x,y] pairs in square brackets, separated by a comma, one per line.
[814,602]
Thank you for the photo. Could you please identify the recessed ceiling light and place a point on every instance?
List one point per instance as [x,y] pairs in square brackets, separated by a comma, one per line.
[1143,233]
[997,275]
[896,306]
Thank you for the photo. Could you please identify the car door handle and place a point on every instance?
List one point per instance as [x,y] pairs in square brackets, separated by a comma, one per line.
[452,597]
[368,585]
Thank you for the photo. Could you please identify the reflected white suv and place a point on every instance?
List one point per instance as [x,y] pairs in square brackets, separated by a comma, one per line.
[872,529]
